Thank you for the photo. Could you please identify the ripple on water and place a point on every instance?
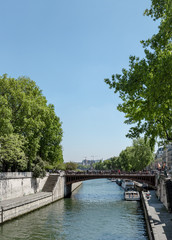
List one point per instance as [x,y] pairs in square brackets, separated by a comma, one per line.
[96,211]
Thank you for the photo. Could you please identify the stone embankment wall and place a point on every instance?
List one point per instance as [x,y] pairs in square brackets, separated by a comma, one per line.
[20,193]
[164,191]
[10,210]
[18,184]
[147,216]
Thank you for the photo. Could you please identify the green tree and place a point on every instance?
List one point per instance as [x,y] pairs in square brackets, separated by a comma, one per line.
[84,167]
[115,163]
[38,167]
[71,166]
[99,165]
[136,157]
[146,88]
[60,166]
[107,164]
[12,155]
[160,9]
[24,111]
[126,159]
[51,137]
[143,155]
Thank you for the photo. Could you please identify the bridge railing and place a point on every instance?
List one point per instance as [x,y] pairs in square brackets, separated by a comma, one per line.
[72,176]
[111,172]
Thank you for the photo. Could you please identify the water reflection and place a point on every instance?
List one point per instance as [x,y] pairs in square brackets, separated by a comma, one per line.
[96,211]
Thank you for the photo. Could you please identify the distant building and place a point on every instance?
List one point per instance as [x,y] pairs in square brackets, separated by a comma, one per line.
[167,155]
[159,153]
[163,155]
[158,158]
[86,162]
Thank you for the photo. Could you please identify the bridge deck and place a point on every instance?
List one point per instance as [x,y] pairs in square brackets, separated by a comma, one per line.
[76,177]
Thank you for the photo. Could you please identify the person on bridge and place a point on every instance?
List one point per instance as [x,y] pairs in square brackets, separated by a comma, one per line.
[119,171]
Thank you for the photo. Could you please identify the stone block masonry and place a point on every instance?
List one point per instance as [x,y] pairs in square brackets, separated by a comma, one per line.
[19,203]
[18,184]
[19,206]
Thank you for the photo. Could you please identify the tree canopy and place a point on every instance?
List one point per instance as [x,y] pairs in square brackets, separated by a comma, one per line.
[136,157]
[146,87]
[160,10]
[25,113]
[133,158]
[70,166]
[12,153]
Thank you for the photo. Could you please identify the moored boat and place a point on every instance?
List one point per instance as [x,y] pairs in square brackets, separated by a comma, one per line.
[131,195]
[119,182]
[127,184]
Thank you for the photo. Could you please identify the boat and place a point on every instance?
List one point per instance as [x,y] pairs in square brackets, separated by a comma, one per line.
[131,195]
[113,180]
[119,182]
[127,185]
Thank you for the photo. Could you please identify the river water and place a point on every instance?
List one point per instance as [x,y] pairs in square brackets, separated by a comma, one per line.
[95,211]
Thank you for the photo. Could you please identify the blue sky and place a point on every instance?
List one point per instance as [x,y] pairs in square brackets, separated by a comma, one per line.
[68,47]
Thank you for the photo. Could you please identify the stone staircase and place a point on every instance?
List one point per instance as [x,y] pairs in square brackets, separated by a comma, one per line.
[50,183]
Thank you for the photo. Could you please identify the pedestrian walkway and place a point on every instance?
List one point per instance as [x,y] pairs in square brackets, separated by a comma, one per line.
[11,203]
[160,218]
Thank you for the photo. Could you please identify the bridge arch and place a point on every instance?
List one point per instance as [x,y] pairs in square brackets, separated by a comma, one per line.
[139,177]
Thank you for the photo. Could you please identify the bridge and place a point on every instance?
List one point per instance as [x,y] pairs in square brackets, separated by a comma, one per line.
[72,177]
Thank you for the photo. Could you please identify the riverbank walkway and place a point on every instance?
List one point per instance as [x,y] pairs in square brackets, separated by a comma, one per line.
[160,218]
[14,202]
[19,201]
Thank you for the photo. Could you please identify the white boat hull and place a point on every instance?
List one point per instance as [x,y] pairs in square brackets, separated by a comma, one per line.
[127,184]
[132,196]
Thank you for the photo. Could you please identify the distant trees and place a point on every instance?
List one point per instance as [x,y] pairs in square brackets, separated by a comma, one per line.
[146,87]
[70,166]
[108,164]
[83,167]
[30,125]
[136,157]
[133,158]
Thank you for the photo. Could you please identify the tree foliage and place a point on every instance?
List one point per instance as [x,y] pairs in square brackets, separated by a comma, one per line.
[146,87]
[24,111]
[162,10]
[38,167]
[12,155]
[84,167]
[136,157]
[109,164]
[133,158]
[70,166]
